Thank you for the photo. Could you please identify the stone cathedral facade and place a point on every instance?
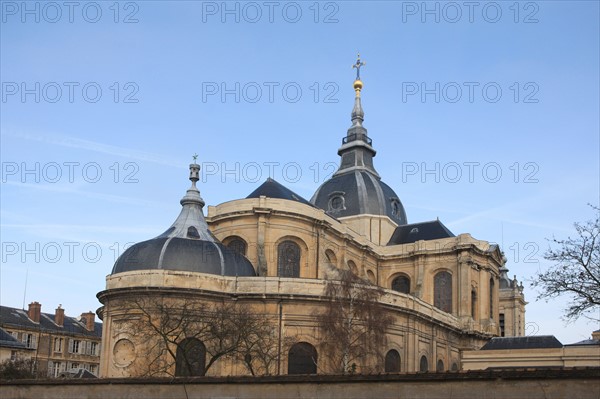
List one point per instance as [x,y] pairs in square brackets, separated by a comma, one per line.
[275,251]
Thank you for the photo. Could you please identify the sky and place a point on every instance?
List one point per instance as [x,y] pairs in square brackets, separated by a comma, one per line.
[483,114]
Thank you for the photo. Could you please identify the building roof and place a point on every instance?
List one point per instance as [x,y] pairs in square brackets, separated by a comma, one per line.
[409,233]
[531,342]
[273,189]
[18,318]
[187,245]
[8,341]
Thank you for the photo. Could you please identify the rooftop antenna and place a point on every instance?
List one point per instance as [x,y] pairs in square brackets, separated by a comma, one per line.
[25,290]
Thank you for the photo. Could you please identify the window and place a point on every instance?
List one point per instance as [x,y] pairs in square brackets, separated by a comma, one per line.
[302,359]
[237,245]
[442,291]
[440,365]
[352,267]
[190,358]
[29,340]
[492,284]
[331,259]
[55,368]
[93,369]
[94,348]
[58,344]
[454,367]
[75,346]
[473,303]
[501,322]
[401,284]
[371,277]
[74,365]
[13,355]
[288,259]
[392,361]
[423,364]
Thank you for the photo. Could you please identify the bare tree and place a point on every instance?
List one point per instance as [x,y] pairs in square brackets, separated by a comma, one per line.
[576,271]
[185,337]
[354,324]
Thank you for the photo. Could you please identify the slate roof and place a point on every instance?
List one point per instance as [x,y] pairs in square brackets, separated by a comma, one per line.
[8,341]
[410,233]
[531,342]
[17,318]
[273,189]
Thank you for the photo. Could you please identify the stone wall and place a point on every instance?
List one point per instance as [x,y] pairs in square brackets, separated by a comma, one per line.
[582,383]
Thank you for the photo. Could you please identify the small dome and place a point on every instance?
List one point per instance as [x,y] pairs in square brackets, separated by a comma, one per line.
[184,254]
[187,245]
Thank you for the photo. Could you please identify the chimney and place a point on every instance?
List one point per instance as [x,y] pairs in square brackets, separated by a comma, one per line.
[59,316]
[89,319]
[596,335]
[34,312]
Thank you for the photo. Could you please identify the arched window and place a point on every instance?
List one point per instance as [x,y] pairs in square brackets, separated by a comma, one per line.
[331,258]
[423,365]
[401,284]
[371,276]
[302,359]
[440,365]
[492,284]
[454,367]
[473,303]
[191,358]
[352,267]
[442,291]
[392,361]
[237,245]
[288,259]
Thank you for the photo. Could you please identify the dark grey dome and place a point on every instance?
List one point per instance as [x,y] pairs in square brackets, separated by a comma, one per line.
[356,188]
[184,254]
[359,192]
[187,245]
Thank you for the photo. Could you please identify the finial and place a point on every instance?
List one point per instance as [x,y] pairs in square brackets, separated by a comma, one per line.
[194,171]
[193,195]
[358,64]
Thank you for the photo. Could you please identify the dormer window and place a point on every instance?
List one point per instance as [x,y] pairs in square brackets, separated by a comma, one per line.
[337,202]
[414,230]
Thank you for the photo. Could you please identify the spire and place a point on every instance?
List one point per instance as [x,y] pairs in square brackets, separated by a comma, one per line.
[358,114]
[356,150]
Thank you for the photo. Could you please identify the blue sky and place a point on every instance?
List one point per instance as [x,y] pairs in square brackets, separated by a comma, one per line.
[484,115]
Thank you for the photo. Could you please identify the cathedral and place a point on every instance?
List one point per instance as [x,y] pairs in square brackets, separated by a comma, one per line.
[254,273]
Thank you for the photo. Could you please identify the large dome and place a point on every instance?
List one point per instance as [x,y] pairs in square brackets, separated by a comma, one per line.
[187,245]
[356,193]
[356,188]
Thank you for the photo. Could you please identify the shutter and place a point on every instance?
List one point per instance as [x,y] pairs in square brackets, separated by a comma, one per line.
[70,345]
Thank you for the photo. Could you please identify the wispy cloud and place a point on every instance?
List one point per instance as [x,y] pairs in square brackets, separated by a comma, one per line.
[94,146]
[72,189]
